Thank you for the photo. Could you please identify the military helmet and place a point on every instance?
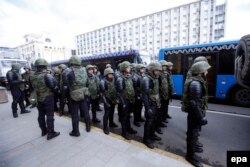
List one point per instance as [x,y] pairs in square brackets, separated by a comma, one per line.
[200,67]
[200,58]
[154,66]
[41,62]
[90,66]
[170,63]
[124,65]
[108,66]
[75,60]
[62,66]
[133,65]
[139,66]
[15,66]
[108,71]
[26,66]
[164,63]
[56,70]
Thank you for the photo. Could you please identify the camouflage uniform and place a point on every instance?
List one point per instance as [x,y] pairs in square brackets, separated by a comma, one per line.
[77,80]
[43,88]
[126,94]
[17,89]
[26,77]
[109,97]
[193,103]
[137,79]
[93,85]
[151,101]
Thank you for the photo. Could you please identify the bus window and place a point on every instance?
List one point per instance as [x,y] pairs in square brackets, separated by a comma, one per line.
[177,61]
[226,62]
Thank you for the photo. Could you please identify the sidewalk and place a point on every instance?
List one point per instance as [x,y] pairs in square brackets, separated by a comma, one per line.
[21,144]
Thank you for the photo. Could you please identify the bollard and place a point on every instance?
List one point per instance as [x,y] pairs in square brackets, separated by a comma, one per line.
[3,95]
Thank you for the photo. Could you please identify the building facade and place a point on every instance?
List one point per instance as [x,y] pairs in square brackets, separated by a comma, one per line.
[41,46]
[194,23]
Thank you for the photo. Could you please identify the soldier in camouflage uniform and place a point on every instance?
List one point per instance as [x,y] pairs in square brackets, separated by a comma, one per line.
[94,90]
[126,94]
[193,103]
[64,88]
[99,77]
[151,101]
[43,88]
[17,89]
[109,97]
[170,86]
[26,77]
[137,79]
[57,73]
[164,95]
[79,94]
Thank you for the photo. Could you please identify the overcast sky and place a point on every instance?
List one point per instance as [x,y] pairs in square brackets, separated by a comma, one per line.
[64,19]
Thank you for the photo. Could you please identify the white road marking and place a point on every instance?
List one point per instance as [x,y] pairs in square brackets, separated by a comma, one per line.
[219,112]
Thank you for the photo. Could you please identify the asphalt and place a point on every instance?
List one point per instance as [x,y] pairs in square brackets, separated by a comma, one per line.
[21,144]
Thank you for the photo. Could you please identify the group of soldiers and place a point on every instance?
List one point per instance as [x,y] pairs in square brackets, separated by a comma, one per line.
[131,87]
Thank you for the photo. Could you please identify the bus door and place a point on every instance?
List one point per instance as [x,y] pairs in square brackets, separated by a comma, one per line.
[211,77]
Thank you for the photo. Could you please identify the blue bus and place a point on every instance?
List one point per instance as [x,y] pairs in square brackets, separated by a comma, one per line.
[133,56]
[221,79]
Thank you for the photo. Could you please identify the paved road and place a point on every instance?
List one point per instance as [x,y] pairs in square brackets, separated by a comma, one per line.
[21,145]
[228,129]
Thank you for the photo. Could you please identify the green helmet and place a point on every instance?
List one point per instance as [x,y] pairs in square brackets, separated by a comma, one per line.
[133,65]
[26,66]
[124,65]
[108,71]
[41,62]
[154,66]
[15,66]
[200,67]
[89,66]
[62,66]
[200,58]
[170,63]
[75,60]
[108,66]
[164,63]
[56,70]
[139,66]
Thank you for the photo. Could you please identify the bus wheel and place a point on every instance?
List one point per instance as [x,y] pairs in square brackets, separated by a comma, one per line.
[243,50]
[241,96]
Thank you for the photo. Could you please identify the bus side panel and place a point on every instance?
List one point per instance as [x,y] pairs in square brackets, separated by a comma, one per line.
[161,54]
[178,84]
[224,82]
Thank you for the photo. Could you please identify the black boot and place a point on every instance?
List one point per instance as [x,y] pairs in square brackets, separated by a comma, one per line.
[169,117]
[96,120]
[193,160]
[137,124]
[75,134]
[25,111]
[158,130]
[132,131]
[106,130]
[148,143]
[44,132]
[88,127]
[15,115]
[126,136]
[52,135]
[163,125]
[155,137]
[113,125]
